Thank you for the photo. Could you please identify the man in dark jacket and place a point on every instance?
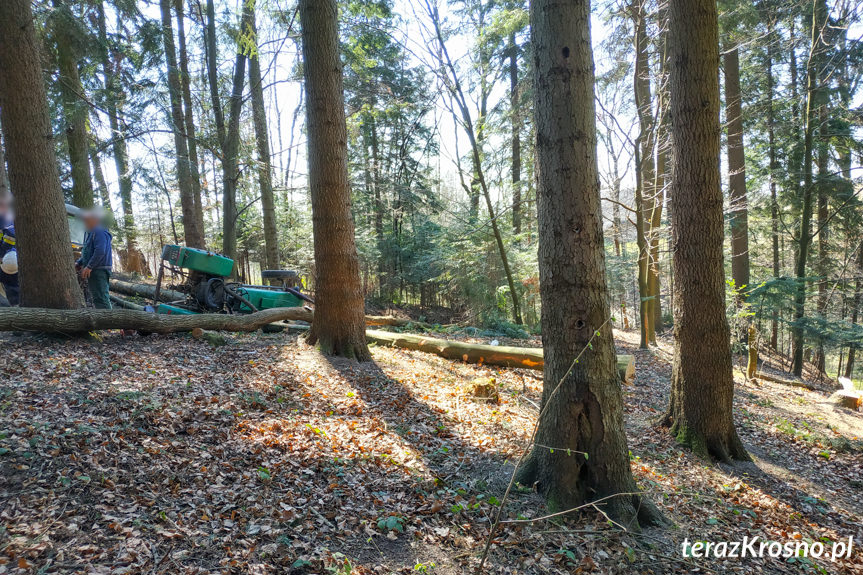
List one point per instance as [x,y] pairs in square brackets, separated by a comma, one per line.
[8,253]
[96,261]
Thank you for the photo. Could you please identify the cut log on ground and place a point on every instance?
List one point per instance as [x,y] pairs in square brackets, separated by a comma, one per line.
[850,398]
[125,304]
[468,352]
[84,320]
[526,357]
[791,382]
[144,290]
[626,368]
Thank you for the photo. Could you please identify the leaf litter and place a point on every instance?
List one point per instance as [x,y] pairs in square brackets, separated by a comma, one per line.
[166,455]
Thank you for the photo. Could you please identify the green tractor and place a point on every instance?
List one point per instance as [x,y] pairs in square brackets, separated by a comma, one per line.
[207,289]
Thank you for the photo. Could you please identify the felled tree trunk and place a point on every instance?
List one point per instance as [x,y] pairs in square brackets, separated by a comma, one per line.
[145,290]
[84,320]
[525,357]
[469,352]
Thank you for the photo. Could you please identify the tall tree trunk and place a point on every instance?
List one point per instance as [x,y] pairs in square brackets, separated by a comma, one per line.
[231,145]
[379,211]
[75,109]
[194,236]
[102,186]
[813,89]
[739,218]
[582,405]
[265,169]
[46,273]
[475,134]
[702,384]
[660,186]
[114,108]
[773,168]
[339,323]
[645,171]
[515,111]
[189,118]
[855,313]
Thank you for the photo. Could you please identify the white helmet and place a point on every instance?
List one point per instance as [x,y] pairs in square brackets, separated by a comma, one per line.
[9,265]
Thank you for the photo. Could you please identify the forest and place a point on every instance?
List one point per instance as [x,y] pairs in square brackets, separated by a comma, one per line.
[431,286]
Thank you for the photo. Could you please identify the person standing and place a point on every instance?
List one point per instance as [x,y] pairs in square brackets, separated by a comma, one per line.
[8,253]
[95,263]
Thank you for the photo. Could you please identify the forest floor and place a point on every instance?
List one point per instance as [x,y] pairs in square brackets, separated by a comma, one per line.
[165,455]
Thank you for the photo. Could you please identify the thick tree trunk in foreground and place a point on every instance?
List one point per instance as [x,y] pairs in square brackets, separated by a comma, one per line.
[265,169]
[46,273]
[739,207]
[339,326]
[75,109]
[4,177]
[194,235]
[702,386]
[582,405]
[84,320]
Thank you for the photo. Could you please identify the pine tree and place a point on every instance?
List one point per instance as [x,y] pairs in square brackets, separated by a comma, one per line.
[339,323]
[702,384]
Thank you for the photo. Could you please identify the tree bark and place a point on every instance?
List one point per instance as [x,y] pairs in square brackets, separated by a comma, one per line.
[189,119]
[813,89]
[231,144]
[113,104]
[75,110]
[855,314]
[739,207]
[84,320]
[46,273]
[193,234]
[645,173]
[582,405]
[265,169]
[102,186]
[515,111]
[702,384]
[4,176]
[339,326]
[774,168]
[660,186]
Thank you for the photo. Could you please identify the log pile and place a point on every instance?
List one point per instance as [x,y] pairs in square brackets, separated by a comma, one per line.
[144,290]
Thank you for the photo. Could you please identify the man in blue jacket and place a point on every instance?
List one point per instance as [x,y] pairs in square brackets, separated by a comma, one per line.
[96,261]
[8,253]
